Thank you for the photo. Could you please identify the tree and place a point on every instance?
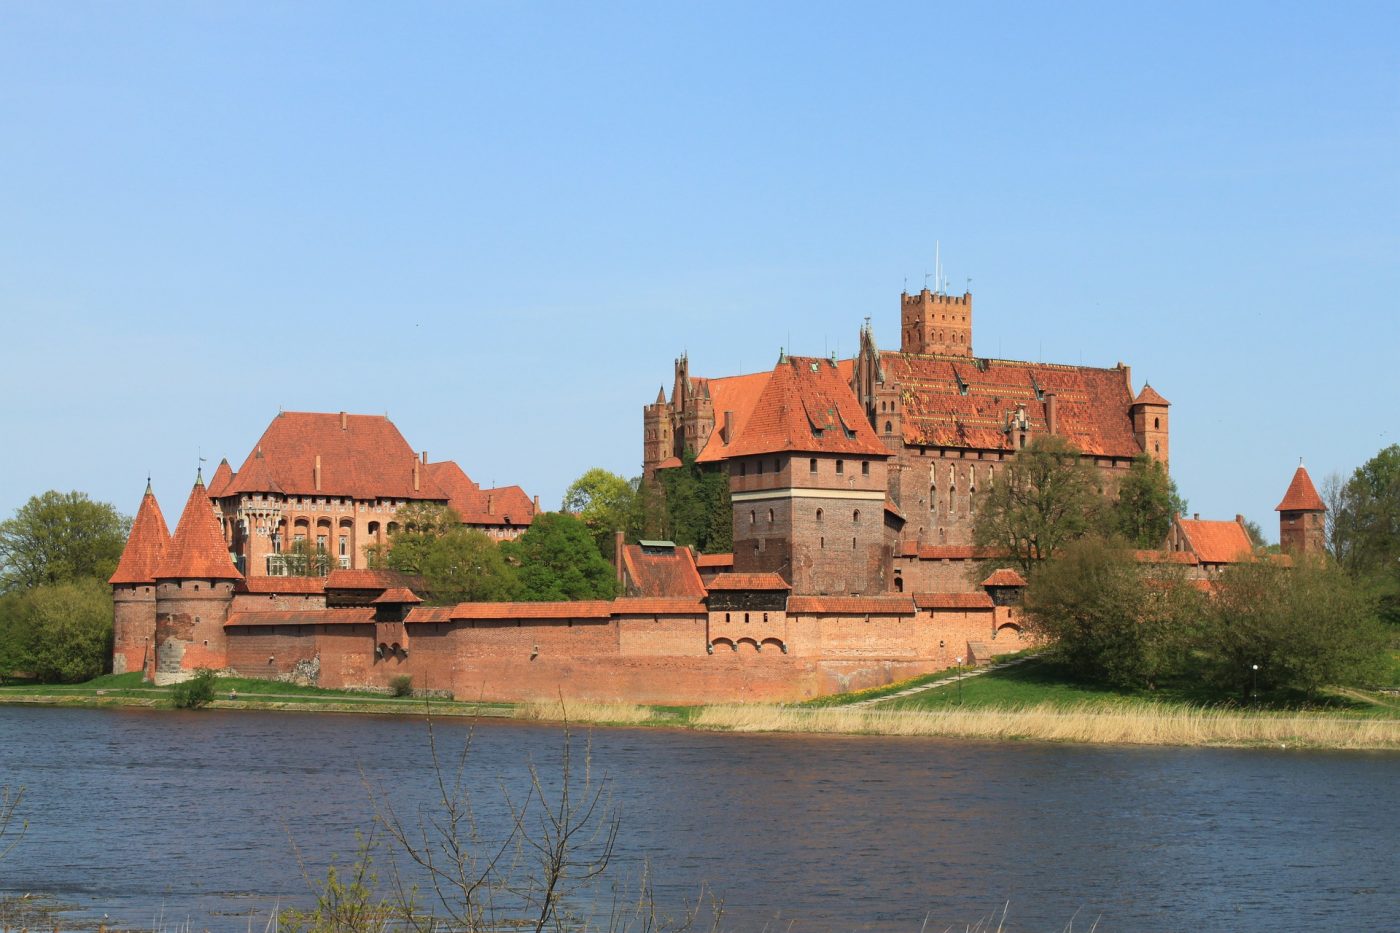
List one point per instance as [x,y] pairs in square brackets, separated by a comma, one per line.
[1368,515]
[694,506]
[303,559]
[1045,497]
[465,565]
[60,536]
[1299,628]
[1147,501]
[1255,534]
[67,631]
[605,502]
[558,560]
[420,526]
[1111,618]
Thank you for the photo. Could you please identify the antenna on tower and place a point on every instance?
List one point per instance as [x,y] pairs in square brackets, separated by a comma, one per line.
[937,264]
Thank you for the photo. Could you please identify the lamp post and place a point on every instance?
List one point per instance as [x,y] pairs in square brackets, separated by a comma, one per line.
[959,679]
[1254,684]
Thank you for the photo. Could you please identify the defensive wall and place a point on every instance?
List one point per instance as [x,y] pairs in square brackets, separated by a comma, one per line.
[642,650]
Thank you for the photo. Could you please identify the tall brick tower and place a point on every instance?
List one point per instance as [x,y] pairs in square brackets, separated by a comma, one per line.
[1149,412]
[134,588]
[1302,526]
[807,479]
[658,442]
[935,323]
[194,590]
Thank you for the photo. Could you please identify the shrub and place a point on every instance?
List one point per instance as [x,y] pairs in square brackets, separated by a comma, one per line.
[195,692]
[401,686]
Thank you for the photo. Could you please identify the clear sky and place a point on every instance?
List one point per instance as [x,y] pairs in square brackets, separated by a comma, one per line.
[500,222]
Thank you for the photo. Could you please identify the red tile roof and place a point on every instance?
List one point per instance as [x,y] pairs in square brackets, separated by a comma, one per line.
[367,458]
[714,560]
[1216,542]
[662,574]
[1005,577]
[851,605]
[223,475]
[583,609]
[1302,495]
[359,616]
[279,585]
[1149,396]
[396,595]
[371,580]
[956,402]
[507,505]
[197,551]
[953,601]
[748,581]
[429,614]
[739,395]
[145,546]
[808,407]
[657,605]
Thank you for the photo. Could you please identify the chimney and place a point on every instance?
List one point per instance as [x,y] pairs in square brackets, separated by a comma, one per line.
[1051,410]
[342,421]
[619,542]
[537,505]
[1196,516]
[415,475]
[490,504]
[424,457]
[316,473]
[726,429]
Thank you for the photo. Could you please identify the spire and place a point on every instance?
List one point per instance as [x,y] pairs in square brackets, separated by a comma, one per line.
[1302,494]
[197,551]
[146,545]
[661,396]
[1149,396]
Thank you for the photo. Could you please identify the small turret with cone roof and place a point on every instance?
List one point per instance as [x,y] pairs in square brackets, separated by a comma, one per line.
[1302,516]
[197,551]
[134,587]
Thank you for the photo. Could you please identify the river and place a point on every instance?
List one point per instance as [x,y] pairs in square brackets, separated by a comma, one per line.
[175,820]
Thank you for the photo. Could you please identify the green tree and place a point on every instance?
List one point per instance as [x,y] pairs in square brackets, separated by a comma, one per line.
[465,565]
[420,525]
[558,561]
[1299,628]
[67,631]
[1365,525]
[1147,501]
[1046,497]
[606,503]
[1111,618]
[303,559]
[695,506]
[60,536]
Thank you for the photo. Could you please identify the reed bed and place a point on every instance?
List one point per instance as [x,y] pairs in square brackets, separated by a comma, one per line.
[583,711]
[1133,725]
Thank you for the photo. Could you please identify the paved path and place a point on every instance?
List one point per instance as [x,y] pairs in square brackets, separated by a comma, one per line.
[934,685]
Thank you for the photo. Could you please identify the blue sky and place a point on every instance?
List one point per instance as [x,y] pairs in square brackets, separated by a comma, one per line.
[500,222]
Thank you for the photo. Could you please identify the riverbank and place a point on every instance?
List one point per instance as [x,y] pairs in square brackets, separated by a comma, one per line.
[1023,703]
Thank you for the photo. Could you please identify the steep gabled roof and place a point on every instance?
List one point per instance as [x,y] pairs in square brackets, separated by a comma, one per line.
[1216,542]
[1302,495]
[397,595]
[197,551]
[145,546]
[662,574]
[477,506]
[1150,396]
[1005,577]
[362,456]
[223,475]
[960,402]
[808,407]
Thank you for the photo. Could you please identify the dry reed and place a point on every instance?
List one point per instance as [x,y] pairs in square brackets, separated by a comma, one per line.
[1166,725]
[583,711]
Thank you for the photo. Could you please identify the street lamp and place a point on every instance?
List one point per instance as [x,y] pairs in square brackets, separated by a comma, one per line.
[959,680]
[1254,683]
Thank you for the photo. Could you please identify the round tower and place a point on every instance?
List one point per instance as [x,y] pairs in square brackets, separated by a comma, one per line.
[194,591]
[134,589]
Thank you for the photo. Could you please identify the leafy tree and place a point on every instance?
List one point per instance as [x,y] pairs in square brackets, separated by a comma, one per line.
[1298,628]
[605,502]
[1046,497]
[558,560]
[690,505]
[420,526]
[465,565]
[66,631]
[1368,515]
[303,559]
[60,536]
[1147,501]
[1111,618]
[196,692]
[1255,534]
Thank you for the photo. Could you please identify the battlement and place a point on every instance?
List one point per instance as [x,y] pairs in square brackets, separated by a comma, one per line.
[940,298]
[936,323]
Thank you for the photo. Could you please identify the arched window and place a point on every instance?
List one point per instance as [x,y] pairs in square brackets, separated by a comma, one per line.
[819,514]
[753,517]
[855,516]
[770,516]
[1156,422]
[899,584]
[889,427]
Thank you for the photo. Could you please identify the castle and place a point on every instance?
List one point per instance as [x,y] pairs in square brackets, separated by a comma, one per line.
[852,482]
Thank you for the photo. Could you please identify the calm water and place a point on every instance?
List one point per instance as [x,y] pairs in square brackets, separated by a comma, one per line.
[174,816]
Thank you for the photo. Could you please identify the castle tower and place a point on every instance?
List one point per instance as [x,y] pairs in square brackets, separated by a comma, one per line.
[932,322]
[194,590]
[658,443]
[1149,413]
[134,588]
[1302,515]
[807,478]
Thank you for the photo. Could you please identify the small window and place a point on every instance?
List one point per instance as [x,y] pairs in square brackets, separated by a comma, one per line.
[821,543]
[812,465]
[855,516]
[743,469]
[889,427]
[840,466]
[1156,422]
[865,468]
[746,618]
[819,514]
[753,517]
[853,544]
[770,516]
[760,468]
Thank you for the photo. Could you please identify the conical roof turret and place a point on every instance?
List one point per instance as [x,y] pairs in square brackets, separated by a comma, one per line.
[1302,495]
[145,546]
[1149,396]
[198,551]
